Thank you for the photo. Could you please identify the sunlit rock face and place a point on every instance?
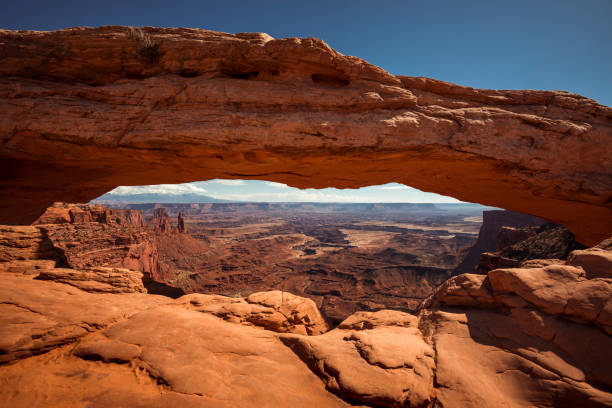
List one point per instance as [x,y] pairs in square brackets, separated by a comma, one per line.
[538,335]
[86,110]
[87,236]
[65,213]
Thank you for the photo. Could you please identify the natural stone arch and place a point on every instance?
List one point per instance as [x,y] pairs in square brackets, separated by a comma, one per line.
[85,110]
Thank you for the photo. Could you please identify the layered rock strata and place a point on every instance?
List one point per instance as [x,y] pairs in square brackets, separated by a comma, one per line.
[492,224]
[88,109]
[517,245]
[100,279]
[65,213]
[89,236]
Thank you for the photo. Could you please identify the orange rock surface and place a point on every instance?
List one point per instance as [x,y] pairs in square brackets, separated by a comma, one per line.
[87,109]
[65,213]
[537,335]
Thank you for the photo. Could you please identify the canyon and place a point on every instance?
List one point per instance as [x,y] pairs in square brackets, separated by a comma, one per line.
[345,257]
[94,304]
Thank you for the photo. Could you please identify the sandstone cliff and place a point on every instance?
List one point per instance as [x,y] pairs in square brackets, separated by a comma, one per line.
[492,223]
[93,235]
[87,109]
[64,213]
[517,245]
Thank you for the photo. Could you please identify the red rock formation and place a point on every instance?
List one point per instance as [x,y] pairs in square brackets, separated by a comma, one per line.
[99,244]
[99,279]
[65,213]
[87,236]
[85,110]
[26,243]
[279,311]
[180,224]
[161,221]
[509,236]
[534,336]
[492,224]
[518,245]
[27,251]
[50,313]
[162,109]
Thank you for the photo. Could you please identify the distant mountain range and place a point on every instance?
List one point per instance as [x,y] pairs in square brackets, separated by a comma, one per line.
[156,198]
[305,207]
[190,202]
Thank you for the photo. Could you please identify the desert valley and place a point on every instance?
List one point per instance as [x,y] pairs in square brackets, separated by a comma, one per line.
[293,304]
[346,257]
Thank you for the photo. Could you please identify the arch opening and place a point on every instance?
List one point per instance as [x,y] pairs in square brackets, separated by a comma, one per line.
[536,152]
[378,247]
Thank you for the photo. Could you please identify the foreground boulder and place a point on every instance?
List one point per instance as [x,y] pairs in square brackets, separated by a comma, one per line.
[223,364]
[545,327]
[100,279]
[150,350]
[383,364]
[88,109]
[274,310]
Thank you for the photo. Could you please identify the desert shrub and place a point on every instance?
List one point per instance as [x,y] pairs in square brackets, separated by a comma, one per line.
[147,47]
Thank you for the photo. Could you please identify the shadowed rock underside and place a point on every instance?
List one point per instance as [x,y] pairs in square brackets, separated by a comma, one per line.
[86,110]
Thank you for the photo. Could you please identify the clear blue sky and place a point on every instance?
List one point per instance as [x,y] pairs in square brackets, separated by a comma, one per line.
[513,44]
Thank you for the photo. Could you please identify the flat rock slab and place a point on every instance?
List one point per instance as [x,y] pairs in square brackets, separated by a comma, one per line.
[167,356]
[36,316]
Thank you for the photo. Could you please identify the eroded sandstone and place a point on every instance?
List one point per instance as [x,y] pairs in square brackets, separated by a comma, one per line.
[388,365]
[537,336]
[99,279]
[38,316]
[273,310]
[85,110]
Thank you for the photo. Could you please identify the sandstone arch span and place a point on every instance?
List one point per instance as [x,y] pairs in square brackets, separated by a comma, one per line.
[85,110]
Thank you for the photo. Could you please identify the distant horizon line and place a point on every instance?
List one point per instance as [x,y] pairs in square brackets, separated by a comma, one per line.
[280,202]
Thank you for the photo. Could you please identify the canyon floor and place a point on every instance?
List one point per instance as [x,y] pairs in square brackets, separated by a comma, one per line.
[346,258]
